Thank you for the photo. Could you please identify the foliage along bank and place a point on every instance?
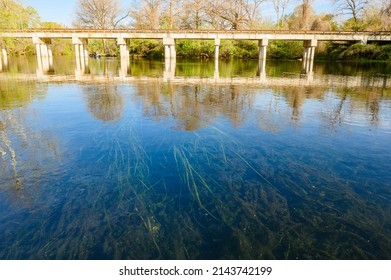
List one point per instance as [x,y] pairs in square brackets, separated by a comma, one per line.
[244,49]
[247,49]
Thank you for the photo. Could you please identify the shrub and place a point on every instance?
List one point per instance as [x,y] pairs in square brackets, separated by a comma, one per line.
[285,50]
[146,48]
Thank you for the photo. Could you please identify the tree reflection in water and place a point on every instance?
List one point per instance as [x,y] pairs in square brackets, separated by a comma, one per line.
[23,149]
[104,102]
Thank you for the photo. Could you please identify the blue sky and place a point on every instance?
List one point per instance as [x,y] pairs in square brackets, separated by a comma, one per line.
[63,11]
[52,10]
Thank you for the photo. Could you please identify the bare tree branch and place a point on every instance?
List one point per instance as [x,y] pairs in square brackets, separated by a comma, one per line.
[100,13]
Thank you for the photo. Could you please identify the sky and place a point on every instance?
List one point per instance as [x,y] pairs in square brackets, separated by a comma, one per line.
[54,10]
[63,11]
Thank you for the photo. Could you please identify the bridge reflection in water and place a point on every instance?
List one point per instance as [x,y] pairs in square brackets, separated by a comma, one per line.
[251,73]
[170,74]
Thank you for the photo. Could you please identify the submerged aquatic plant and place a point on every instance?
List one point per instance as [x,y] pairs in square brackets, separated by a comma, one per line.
[210,186]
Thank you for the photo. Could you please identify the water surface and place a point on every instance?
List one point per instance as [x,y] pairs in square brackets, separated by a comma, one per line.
[153,169]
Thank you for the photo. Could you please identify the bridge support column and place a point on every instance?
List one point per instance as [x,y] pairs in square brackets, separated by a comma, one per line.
[44,54]
[84,53]
[169,69]
[262,57]
[3,59]
[309,56]
[217,50]
[123,47]
[169,48]
[81,53]
[124,56]
[50,55]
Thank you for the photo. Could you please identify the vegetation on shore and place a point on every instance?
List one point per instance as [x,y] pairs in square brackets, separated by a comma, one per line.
[245,49]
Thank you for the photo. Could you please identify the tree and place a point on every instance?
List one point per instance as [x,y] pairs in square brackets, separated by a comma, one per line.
[353,8]
[171,10]
[324,23]
[234,14]
[252,11]
[306,10]
[14,16]
[100,14]
[148,14]
[379,12]
[50,25]
[280,7]
[302,17]
[227,14]
[194,14]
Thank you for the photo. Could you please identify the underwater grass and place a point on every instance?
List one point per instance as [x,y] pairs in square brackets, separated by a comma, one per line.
[202,194]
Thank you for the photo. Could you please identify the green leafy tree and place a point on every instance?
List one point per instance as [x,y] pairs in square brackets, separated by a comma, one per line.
[50,25]
[13,15]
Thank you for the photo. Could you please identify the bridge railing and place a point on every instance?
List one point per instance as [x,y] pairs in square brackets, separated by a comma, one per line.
[191,31]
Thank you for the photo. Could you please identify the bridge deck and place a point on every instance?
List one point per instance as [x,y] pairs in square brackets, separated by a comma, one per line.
[198,34]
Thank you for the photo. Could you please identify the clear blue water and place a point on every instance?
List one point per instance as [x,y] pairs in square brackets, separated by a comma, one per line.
[158,170]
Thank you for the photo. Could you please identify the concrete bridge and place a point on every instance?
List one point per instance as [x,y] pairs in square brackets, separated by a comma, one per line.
[42,40]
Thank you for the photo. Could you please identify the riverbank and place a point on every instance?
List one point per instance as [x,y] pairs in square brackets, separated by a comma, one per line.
[195,49]
[246,49]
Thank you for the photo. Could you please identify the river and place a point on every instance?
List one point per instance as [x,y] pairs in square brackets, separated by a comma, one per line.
[186,161]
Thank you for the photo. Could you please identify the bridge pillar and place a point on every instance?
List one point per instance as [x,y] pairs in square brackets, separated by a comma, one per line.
[169,48]
[262,57]
[309,55]
[169,69]
[44,54]
[124,56]
[81,53]
[217,50]
[123,47]
[3,59]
